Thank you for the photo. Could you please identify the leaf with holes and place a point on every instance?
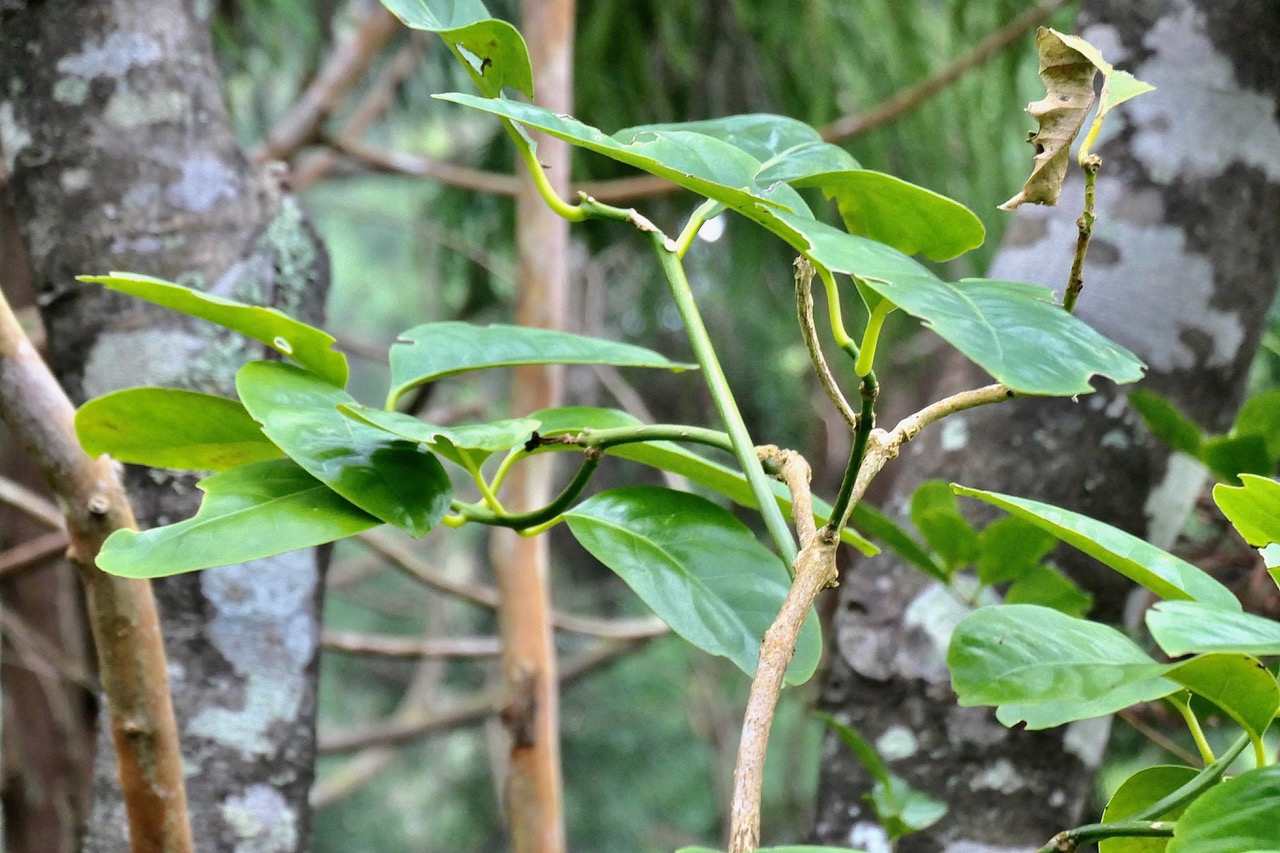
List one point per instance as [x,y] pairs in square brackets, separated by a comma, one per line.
[697,567]
[398,481]
[492,51]
[306,345]
[169,428]
[248,513]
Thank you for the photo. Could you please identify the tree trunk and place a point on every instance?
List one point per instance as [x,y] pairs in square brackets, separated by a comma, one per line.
[114,132]
[1183,268]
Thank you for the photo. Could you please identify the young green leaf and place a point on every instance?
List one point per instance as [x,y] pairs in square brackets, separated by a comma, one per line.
[1229,456]
[911,219]
[1238,684]
[1047,668]
[433,351]
[169,428]
[1009,548]
[248,513]
[492,51]
[395,480]
[1253,508]
[935,514]
[1144,564]
[1117,86]
[1048,587]
[1144,788]
[1166,422]
[1186,627]
[697,567]
[1238,816]
[1260,416]
[306,345]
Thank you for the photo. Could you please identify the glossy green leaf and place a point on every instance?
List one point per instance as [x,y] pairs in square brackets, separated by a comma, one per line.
[1186,627]
[1009,547]
[1252,508]
[478,440]
[1238,816]
[248,513]
[1048,587]
[1144,564]
[761,135]
[703,164]
[1260,416]
[1166,422]
[492,51]
[395,480]
[433,351]
[935,514]
[306,345]
[1016,332]
[1047,668]
[673,458]
[1238,684]
[1144,788]
[900,808]
[810,158]
[169,428]
[1229,456]
[697,567]
[909,218]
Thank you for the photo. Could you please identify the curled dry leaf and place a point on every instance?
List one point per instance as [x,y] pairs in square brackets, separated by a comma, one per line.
[1068,78]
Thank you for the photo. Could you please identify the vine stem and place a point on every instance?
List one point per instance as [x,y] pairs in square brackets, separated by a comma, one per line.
[704,353]
[1084,226]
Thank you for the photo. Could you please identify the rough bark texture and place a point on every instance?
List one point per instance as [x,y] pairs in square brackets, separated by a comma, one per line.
[114,132]
[1183,268]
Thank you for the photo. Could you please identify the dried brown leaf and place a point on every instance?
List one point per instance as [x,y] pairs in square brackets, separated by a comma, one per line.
[1068,78]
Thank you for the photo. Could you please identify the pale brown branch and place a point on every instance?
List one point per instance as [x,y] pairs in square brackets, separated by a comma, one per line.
[30,502]
[401,163]
[122,612]
[33,552]
[804,312]
[487,703]
[906,100]
[383,645]
[344,66]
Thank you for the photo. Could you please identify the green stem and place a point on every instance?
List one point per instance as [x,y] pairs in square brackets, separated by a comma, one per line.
[866,422]
[1074,838]
[722,395]
[571,212]
[867,355]
[603,439]
[519,521]
[705,211]
[486,494]
[1203,781]
[1197,734]
[834,312]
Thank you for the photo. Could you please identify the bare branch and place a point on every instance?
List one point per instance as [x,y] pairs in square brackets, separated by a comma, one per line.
[383,645]
[32,503]
[33,552]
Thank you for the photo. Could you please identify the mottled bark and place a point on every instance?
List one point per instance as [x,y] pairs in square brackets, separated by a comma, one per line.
[1183,268]
[114,132]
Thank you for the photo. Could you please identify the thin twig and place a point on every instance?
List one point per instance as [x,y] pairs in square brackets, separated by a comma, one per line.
[33,552]
[804,310]
[401,163]
[384,645]
[1084,225]
[31,502]
[344,66]
[906,100]
[1157,737]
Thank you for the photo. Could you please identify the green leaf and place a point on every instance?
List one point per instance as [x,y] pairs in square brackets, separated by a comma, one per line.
[907,217]
[1229,456]
[492,51]
[763,136]
[1166,422]
[877,525]
[479,440]
[1016,332]
[811,158]
[248,513]
[1144,564]
[1048,587]
[433,351]
[703,164]
[1238,684]
[900,808]
[667,456]
[1238,816]
[1009,547]
[1048,668]
[1253,508]
[168,428]
[1117,86]
[936,515]
[697,567]
[1186,627]
[1260,416]
[1144,788]
[306,345]
[395,480]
